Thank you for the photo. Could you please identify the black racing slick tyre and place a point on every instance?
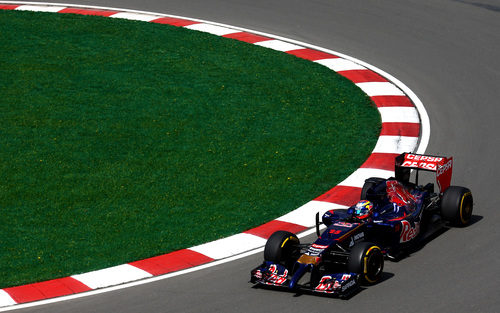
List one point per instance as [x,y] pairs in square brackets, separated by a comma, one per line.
[456,205]
[280,247]
[367,260]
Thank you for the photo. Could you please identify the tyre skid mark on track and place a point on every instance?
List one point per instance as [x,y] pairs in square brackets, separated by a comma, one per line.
[404,124]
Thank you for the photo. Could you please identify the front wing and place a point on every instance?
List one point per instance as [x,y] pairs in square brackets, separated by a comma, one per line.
[277,275]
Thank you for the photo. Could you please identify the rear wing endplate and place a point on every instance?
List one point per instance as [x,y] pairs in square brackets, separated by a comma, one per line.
[442,166]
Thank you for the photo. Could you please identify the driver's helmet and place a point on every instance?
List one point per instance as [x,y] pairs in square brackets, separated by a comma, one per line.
[363,209]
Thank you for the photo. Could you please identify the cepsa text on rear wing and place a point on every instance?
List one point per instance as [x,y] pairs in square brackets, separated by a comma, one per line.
[442,166]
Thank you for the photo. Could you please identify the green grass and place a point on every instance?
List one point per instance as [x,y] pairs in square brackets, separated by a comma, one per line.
[121,140]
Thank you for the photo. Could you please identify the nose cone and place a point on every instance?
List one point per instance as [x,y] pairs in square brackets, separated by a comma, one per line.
[303,268]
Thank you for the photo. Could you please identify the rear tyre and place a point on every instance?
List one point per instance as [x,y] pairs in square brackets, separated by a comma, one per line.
[456,205]
[367,260]
[280,247]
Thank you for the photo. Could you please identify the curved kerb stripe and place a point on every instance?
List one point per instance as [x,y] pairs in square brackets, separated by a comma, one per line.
[405,128]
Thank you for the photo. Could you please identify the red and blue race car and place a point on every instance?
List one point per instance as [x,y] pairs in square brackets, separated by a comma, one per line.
[393,215]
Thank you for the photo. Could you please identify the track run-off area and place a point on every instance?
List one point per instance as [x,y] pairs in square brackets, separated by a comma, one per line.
[436,49]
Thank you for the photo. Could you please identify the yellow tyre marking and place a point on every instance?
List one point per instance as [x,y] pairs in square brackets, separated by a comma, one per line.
[284,242]
[462,207]
[365,262]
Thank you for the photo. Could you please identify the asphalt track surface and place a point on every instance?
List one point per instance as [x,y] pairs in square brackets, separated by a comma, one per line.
[446,51]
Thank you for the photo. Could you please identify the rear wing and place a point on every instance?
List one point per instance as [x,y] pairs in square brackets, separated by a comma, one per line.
[442,166]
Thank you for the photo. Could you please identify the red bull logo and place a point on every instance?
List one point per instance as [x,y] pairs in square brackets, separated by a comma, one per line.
[408,232]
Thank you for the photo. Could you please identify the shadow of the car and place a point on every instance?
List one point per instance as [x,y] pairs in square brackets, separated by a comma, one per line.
[417,247]
[474,219]
[385,276]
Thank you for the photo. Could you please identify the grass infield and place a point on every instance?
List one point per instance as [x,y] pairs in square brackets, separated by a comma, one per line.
[122,140]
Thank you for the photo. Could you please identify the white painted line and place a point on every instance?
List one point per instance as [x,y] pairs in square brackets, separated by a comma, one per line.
[112,276]
[305,214]
[136,16]
[5,299]
[278,45]
[230,246]
[399,115]
[357,179]
[380,89]
[395,144]
[339,64]
[212,29]
[40,8]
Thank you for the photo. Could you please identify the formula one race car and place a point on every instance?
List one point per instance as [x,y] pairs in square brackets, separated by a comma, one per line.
[393,215]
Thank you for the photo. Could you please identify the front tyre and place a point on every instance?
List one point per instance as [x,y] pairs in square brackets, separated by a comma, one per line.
[456,205]
[280,247]
[367,260]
